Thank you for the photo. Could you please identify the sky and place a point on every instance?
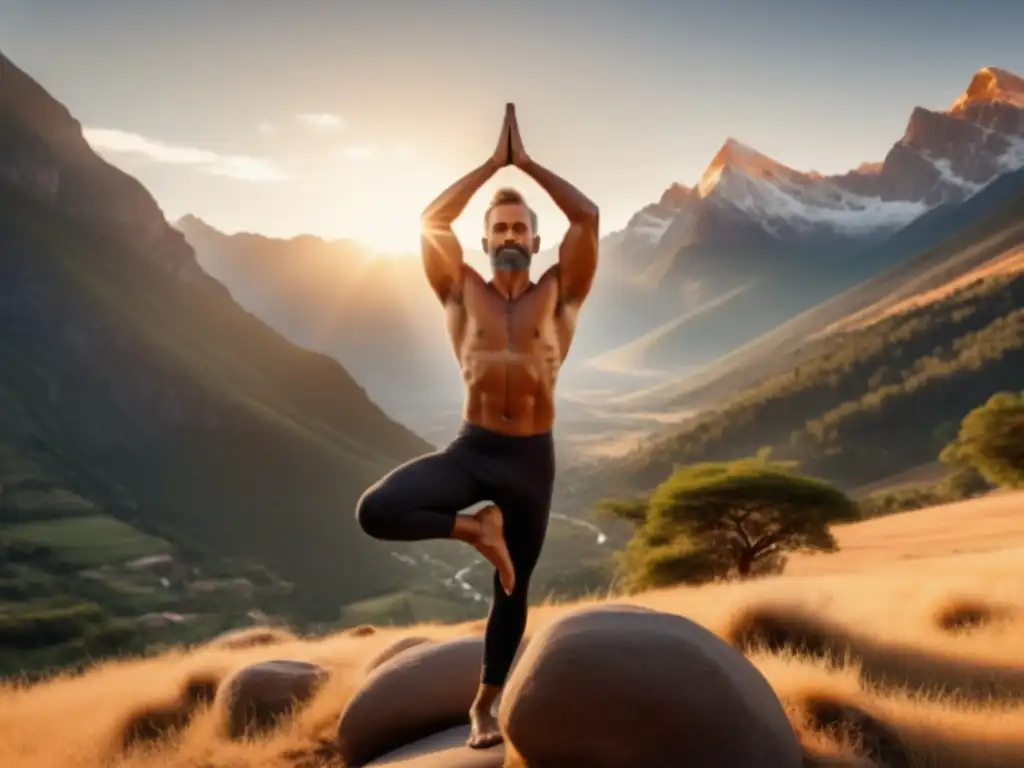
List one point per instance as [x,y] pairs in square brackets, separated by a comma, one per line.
[344,119]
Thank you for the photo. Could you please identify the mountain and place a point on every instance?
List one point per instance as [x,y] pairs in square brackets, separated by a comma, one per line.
[132,382]
[375,315]
[709,267]
[881,377]
[943,243]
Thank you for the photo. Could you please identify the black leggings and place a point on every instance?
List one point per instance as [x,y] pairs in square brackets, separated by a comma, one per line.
[420,499]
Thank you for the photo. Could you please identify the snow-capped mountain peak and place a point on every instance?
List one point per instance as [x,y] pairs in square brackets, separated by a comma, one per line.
[736,157]
[943,157]
[677,196]
[786,202]
[991,85]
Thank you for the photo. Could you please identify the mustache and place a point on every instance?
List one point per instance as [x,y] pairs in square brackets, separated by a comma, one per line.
[508,249]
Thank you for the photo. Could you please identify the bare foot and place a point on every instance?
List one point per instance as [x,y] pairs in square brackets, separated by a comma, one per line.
[484,731]
[491,545]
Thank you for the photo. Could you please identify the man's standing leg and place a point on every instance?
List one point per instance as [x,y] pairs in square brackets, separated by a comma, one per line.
[526,521]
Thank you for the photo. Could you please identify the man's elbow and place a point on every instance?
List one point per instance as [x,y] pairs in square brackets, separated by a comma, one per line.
[428,219]
[431,224]
[588,216]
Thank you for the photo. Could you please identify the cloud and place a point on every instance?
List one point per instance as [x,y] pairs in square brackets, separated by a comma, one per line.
[268,129]
[325,122]
[115,142]
[358,153]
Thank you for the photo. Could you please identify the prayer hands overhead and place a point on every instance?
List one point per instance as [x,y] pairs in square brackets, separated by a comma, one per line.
[509,150]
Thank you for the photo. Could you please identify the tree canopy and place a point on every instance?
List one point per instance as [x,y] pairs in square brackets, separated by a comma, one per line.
[991,440]
[712,519]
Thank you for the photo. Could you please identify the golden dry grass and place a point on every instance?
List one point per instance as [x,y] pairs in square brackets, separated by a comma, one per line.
[893,663]
[977,526]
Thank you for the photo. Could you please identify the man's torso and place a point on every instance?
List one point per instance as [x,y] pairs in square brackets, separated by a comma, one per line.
[510,352]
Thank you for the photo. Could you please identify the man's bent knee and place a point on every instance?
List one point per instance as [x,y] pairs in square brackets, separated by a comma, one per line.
[374,514]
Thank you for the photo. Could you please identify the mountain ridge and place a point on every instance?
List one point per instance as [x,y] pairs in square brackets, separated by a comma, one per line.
[131,378]
[989,87]
[61,169]
[793,236]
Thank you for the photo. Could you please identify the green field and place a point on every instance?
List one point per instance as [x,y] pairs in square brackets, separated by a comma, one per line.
[86,541]
[33,504]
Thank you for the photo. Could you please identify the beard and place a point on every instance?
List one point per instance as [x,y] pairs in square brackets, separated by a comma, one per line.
[510,257]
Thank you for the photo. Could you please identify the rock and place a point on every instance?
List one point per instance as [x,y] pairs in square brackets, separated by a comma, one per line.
[258,696]
[423,690]
[386,654]
[446,749]
[611,687]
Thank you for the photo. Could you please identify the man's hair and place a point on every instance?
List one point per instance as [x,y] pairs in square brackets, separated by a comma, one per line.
[509,196]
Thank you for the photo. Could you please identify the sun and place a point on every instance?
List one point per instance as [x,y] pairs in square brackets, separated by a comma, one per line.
[392,238]
[388,224]
[380,205]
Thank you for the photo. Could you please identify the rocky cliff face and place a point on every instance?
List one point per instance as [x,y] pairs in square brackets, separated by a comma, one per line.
[43,153]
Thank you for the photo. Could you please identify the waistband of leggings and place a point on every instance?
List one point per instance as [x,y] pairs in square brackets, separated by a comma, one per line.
[475,433]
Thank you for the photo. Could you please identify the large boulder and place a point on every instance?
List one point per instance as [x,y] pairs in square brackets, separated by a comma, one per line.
[616,687]
[256,697]
[446,749]
[388,652]
[421,691]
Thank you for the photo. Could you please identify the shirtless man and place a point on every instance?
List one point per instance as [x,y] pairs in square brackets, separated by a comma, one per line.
[510,336]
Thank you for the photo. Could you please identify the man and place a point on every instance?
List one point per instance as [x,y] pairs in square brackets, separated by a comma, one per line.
[510,336]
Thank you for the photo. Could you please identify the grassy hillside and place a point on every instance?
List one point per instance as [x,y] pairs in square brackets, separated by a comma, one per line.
[912,659]
[870,402]
[166,406]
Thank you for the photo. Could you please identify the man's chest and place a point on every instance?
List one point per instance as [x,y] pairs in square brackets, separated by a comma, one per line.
[492,322]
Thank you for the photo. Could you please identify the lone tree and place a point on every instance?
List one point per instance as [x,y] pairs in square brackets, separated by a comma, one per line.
[711,520]
[991,441]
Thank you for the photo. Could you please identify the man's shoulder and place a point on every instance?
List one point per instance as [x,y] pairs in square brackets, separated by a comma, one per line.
[549,278]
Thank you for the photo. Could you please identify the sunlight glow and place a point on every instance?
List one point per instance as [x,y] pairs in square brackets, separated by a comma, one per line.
[375,193]
[377,200]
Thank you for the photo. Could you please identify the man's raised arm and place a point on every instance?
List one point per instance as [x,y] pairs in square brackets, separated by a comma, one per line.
[442,253]
[577,255]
